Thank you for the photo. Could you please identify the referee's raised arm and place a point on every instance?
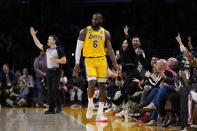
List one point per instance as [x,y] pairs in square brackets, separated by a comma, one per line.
[36,41]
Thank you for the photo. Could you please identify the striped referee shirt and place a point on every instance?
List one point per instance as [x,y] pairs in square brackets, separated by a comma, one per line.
[56,52]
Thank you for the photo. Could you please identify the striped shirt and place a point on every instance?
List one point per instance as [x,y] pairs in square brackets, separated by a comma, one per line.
[56,52]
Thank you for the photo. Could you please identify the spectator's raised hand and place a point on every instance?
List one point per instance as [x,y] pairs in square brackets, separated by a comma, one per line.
[190,43]
[178,38]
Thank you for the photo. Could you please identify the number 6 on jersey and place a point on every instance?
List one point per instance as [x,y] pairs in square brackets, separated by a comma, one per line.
[95,44]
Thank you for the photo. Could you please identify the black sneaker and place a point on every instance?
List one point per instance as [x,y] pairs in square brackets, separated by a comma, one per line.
[147,120]
[135,116]
[49,112]
[138,107]
[135,98]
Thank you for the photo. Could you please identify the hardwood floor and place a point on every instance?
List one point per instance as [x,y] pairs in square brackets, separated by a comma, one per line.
[71,119]
[114,123]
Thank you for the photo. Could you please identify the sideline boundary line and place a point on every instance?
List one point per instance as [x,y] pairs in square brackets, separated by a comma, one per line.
[79,122]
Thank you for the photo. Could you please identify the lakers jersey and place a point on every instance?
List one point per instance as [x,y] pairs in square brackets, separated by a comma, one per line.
[94,44]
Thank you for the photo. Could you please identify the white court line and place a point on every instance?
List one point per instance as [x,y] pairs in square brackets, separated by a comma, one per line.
[79,122]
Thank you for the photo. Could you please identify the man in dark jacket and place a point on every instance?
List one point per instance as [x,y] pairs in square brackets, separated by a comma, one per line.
[7,81]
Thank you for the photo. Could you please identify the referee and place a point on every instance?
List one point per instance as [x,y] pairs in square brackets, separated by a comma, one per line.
[55,57]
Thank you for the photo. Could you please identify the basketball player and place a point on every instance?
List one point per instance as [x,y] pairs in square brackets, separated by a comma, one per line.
[94,39]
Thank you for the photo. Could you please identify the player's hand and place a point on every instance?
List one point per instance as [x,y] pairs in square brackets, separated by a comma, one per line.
[32,31]
[76,70]
[126,30]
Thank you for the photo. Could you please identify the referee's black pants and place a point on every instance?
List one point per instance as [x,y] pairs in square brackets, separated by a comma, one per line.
[53,82]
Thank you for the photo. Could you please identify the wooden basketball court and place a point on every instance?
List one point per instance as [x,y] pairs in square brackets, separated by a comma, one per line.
[71,119]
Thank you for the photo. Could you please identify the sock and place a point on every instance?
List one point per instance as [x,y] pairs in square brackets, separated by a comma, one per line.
[90,102]
[194,96]
[101,106]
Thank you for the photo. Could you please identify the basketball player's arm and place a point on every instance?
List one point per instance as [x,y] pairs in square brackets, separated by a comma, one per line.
[110,51]
[80,42]
[36,41]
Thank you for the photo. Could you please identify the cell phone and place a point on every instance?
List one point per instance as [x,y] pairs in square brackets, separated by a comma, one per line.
[117,52]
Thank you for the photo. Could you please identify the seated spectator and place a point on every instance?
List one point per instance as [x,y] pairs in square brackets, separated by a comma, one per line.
[27,78]
[76,91]
[114,94]
[157,96]
[75,94]
[173,64]
[29,84]
[18,95]
[7,81]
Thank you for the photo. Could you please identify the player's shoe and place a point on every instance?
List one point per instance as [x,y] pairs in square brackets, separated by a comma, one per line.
[101,118]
